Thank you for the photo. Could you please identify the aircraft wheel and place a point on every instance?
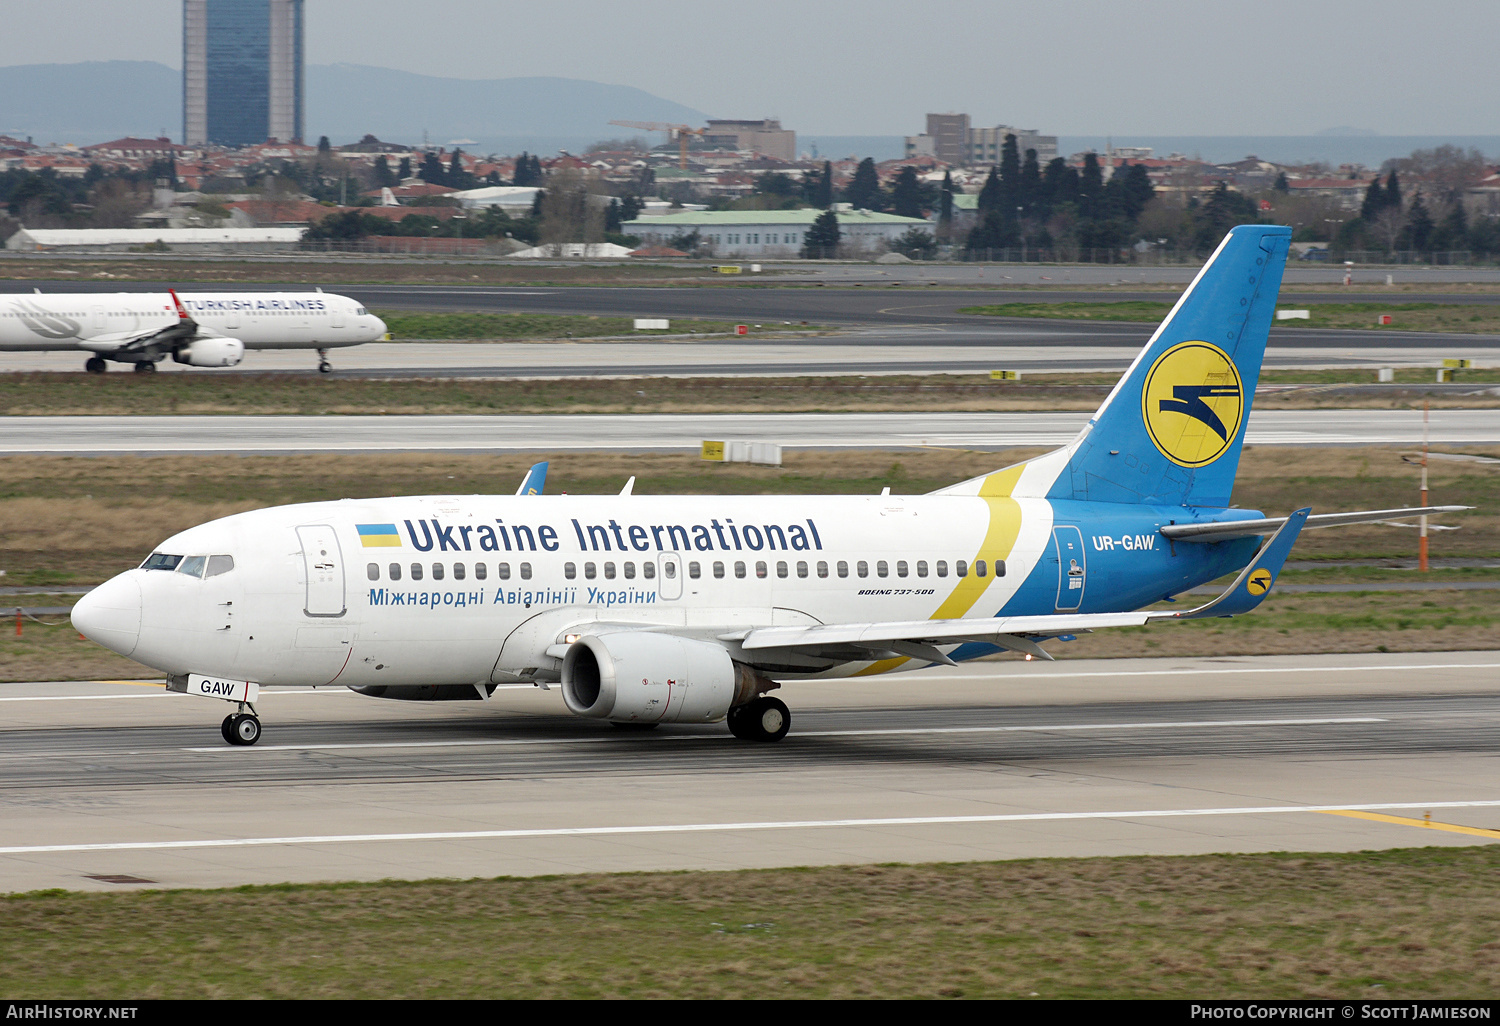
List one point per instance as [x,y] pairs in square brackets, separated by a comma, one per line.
[739,723]
[227,729]
[767,719]
[145,367]
[96,365]
[325,367]
[244,729]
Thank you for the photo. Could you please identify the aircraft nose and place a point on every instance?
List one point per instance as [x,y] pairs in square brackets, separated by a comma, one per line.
[110,615]
[380,329]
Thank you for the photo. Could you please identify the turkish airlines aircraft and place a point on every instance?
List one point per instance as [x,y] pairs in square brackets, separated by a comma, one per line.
[207,329]
[691,609]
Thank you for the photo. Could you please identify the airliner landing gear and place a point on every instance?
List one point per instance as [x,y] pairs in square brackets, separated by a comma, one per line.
[240,728]
[145,367]
[324,367]
[765,719]
[95,365]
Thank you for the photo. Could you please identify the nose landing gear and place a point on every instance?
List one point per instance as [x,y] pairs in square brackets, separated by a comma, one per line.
[324,367]
[241,728]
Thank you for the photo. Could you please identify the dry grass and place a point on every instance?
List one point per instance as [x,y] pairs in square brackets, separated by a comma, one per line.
[1443,317]
[1402,924]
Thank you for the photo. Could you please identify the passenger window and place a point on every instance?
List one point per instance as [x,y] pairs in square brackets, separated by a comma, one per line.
[590,570]
[480,571]
[942,568]
[843,568]
[999,568]
[458,571]
[395,569]
[570,570]
[862,568]
[979,568]
[882,569]
[900,568]
[695,570]
[801,568]
[921,568]
[437,571]
[629,571]
[960,568]
[739,568]
[782,570]
[609,571]
[192,565]
[416,571]
[760,568]
[718,569]
[525,571]
[373,571]
[503,570]
[822,568]
[220,565]
[648,570]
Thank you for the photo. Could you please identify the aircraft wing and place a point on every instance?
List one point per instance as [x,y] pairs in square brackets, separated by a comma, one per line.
[169,338]
[1247,528]
[919,639]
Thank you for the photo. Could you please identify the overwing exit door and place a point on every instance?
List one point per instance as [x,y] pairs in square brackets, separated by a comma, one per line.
[324,563]
[1072,567]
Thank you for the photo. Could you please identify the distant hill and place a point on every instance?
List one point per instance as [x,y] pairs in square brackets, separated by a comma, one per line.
[96,101]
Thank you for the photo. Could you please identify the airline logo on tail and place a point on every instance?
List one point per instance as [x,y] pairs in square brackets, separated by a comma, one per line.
[1193,403]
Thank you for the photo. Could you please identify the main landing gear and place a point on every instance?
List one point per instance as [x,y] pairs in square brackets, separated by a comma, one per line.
[765,719]
[324,367]
[241,728]
[95,365]
[145,367]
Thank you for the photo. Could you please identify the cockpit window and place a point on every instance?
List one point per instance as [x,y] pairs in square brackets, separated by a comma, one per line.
[219,565]
[361,311]
[161,561]
[192,565]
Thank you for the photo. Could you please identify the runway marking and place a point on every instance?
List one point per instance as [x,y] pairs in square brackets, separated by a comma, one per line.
[1216,670]
[692,828]
[1170,724]
[1455,828]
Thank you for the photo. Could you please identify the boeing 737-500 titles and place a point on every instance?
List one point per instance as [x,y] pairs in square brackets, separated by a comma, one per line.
[210,329]
[691,609]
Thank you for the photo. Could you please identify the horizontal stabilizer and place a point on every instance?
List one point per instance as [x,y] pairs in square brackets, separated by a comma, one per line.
[1254,582]
[1248,528]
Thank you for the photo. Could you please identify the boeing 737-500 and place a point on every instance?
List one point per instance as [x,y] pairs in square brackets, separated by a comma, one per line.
[207,329]
[692,609]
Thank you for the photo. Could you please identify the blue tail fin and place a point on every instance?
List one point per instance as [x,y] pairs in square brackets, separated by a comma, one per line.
[1170,433]
[534,481]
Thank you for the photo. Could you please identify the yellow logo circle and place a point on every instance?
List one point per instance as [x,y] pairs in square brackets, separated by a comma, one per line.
[1259,582]
[1192,403]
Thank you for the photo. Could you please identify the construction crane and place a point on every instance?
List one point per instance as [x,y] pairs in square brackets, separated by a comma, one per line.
[681,131]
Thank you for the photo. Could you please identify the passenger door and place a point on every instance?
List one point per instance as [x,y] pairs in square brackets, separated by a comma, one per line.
[324,563]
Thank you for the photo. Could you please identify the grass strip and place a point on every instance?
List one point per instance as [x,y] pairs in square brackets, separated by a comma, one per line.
[1395,924]
[1444,317]
[478,326]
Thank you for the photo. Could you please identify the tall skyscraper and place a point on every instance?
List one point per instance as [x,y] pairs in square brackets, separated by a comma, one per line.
[241,71]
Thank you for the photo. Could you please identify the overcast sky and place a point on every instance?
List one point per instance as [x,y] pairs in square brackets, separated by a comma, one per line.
[874,67]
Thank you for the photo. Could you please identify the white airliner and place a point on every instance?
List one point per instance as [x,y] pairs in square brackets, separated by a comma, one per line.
[692,609]
[205,329]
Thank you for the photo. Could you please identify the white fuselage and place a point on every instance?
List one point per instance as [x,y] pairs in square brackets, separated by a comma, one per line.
[92,321]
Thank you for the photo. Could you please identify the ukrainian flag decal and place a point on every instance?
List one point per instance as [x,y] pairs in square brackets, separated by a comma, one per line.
[377,536]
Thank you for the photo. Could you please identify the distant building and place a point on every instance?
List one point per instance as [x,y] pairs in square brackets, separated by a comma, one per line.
[178,240]
[765,137]
[953,140]
[770,233]
[242,77]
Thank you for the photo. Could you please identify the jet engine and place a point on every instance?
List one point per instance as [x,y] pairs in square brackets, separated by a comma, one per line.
[644,677]
[211,352]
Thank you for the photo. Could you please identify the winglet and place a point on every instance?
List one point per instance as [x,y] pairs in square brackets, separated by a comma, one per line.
[534,480]
[182,314]
[1254,582]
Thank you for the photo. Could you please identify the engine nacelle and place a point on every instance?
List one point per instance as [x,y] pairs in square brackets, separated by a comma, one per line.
[642,677]
[211,352]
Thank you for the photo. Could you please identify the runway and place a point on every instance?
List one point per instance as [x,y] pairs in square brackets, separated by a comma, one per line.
[985,761]
[666,432]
